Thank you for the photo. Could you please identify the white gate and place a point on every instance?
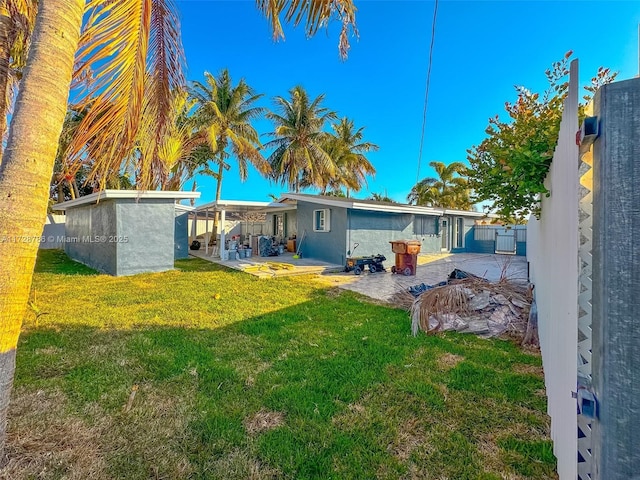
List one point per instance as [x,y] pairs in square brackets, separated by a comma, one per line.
[506,241]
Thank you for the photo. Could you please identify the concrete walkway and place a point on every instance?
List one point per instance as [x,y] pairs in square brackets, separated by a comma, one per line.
[433,269]
[270,267]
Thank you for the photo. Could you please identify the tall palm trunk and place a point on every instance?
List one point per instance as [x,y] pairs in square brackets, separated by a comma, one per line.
[5,54]
[26,169]
[219,182]
[216,214]
[60,188]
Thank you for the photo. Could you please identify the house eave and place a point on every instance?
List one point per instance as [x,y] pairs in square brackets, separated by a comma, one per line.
[123,194]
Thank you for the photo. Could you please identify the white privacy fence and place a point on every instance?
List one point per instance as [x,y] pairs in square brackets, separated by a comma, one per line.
[552,252]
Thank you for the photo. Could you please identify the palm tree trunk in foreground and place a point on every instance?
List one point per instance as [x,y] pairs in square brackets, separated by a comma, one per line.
[5,54]
[26,169]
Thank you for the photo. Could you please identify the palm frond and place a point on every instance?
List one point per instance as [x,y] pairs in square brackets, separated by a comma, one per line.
[132,50]
[165,75]
[315,14]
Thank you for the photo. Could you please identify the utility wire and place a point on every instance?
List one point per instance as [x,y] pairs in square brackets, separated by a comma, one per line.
[426,94]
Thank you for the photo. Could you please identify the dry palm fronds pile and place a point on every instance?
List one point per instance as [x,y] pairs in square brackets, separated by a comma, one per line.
[472,305]
[433,307]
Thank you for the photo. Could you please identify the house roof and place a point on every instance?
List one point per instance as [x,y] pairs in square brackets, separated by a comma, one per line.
[135,194]
[358,204]
[376,206]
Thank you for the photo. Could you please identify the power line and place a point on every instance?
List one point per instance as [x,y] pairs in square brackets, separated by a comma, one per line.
[426,94]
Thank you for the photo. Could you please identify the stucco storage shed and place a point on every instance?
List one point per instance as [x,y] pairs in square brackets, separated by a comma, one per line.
[124,232]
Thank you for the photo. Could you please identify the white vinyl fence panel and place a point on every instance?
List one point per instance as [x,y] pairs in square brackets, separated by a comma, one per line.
[552,251]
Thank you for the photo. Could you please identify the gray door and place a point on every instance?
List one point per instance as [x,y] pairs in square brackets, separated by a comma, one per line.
[506,241]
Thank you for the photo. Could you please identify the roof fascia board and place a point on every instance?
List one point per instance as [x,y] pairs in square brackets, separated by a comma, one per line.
[119,194]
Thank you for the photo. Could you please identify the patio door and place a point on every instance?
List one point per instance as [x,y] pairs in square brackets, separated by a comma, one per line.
[445,234]
[280,226]
[458,232]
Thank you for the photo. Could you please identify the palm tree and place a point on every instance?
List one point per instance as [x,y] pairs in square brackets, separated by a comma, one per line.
[299,158]
[347,148]
[225,112]
[16,25]
[380,197]
[62,182]
[184,147]
[111,42]
[335,193]
[449,190]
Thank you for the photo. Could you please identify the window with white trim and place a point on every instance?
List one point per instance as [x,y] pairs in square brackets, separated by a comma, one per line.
[321,220]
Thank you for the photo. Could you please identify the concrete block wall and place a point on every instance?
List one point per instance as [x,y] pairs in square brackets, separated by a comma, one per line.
[374,230]
[616,282]
[122,236]
[84,228]
[329,246]
[147,249]
[53,232]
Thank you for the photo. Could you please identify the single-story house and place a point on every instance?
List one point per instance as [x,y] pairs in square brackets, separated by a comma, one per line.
[328,228]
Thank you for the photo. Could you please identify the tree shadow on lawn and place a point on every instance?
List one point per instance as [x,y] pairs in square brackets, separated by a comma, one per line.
[355,395]
[57,262]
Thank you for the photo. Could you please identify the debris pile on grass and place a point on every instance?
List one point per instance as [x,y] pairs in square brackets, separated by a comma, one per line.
[470,304]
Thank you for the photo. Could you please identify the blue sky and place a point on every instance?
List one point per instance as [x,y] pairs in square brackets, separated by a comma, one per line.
[482,49]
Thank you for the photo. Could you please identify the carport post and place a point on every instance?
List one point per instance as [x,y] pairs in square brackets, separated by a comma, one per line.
[223,234]
[206,231]
[194,225]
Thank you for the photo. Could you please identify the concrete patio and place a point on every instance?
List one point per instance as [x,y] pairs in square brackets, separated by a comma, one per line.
[269,267]
[433,269]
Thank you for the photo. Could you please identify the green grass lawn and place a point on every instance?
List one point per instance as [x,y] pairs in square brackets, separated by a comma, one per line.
[203,372]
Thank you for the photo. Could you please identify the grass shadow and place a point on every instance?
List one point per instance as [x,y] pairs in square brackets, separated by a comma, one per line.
[57,262]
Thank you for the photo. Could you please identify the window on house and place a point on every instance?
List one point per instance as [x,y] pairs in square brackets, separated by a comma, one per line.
[321,220]
[278,225]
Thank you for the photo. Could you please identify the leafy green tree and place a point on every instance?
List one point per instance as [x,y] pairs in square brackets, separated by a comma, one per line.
[508,168]
[449,190]
[184,148]
[335,193]
[64,185]
[299,158]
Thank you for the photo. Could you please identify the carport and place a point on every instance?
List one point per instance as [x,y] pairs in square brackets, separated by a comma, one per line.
[224,207]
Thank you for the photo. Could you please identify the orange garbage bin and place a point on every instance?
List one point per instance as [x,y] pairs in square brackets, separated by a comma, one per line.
[406,256]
